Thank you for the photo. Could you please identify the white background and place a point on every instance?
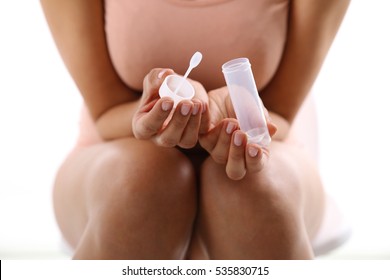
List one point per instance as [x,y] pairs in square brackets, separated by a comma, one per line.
[39,107]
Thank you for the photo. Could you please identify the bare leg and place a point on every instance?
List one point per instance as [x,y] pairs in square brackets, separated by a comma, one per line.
[272,214]
[126,199]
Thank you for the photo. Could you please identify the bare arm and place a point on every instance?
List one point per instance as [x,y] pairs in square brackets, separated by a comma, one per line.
[312,28]
[78,30]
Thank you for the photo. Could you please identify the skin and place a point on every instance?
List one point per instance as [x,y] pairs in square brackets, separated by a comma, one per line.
[167,183]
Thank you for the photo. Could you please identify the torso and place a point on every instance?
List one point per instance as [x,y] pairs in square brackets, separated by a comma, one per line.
[142,35]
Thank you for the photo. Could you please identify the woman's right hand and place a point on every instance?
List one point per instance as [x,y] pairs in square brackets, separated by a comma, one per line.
[157,120]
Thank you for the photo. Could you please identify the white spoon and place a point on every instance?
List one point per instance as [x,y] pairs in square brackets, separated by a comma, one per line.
[195,60]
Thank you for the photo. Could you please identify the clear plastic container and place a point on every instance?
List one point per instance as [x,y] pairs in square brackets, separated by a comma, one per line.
[246,101]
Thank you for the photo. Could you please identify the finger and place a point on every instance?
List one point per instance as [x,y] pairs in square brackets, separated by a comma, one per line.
[272,128]
[235,167]
[209,139]
[150,123]
[190,134]
[200,91]
[220,153]
[254,158]
[153,81]
[205,119]
[202,96]
[171,135]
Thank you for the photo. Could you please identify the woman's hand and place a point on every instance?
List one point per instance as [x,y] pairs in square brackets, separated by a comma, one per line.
[226,143]
[156,119]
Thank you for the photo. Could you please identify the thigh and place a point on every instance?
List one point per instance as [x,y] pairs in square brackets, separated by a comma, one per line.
[270,214]
[300,181]
[86,179]
[289,186]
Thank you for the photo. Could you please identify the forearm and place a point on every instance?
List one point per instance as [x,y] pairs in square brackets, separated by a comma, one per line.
[117,121]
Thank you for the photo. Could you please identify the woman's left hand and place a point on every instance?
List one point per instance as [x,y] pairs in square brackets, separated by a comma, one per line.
[226,143]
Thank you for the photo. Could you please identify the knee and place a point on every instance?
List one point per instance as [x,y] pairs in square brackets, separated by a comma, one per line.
[150,173]
[265,207]
[147,194]
[273,200]
[266,188]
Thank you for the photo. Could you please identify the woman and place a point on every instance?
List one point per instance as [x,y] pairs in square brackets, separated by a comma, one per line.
[139,187]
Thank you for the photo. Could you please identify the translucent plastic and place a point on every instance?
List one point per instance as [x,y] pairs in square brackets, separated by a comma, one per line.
[169,86]
[246,101]
[179,88]
[195,60]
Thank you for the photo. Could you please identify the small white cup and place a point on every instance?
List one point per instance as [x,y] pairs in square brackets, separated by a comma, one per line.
[168,87]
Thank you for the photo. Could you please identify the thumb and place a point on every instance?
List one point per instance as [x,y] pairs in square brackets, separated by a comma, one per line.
[154,79]
[272,128]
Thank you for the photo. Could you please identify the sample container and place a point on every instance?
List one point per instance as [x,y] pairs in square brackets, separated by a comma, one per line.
[168,87]
[246,101]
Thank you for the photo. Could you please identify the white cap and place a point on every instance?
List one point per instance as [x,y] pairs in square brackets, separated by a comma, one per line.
[168,87]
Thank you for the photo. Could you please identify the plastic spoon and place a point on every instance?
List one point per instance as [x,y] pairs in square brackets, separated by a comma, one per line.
[195,60]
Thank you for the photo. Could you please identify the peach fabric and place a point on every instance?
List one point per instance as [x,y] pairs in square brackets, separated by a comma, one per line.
[144,34]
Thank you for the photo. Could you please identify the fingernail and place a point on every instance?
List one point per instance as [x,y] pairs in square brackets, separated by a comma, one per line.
[253,152]
[166,106]
[230,127]
[161,73]
[272,128]
[196,109]
[185,109]
[238,139]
